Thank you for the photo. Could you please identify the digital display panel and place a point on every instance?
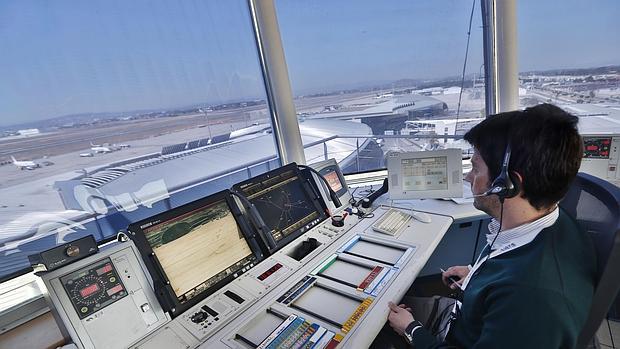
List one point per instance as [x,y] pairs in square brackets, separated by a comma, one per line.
[596,147]
[198,249]
[285,205]
[333,180]
[425,173]
[105,269]
[87,291]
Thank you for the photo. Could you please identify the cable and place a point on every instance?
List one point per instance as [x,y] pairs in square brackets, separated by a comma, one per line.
[458,109]
[501,217]
[332,193]
[256,220]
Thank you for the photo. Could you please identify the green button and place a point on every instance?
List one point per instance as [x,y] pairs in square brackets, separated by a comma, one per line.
[84,309]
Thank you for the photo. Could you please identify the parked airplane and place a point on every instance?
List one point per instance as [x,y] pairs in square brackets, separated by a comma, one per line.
[99,148]
[25,164]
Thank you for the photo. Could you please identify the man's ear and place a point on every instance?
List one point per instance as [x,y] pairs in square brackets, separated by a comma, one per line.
[517,181]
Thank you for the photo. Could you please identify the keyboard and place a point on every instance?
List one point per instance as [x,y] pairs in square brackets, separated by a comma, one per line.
[391,222]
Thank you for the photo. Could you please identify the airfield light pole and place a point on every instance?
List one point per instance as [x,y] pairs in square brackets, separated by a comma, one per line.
[204,111]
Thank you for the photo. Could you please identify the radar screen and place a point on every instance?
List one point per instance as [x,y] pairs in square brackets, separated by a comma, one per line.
[93,288]
[286,202]
[198,248]
[596,147]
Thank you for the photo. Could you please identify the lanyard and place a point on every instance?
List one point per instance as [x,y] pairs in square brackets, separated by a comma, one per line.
[507,247]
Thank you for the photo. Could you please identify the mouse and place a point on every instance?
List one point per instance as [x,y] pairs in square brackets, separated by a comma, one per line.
[421,216]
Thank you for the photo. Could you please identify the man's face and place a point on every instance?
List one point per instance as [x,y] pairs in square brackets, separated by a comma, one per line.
[480,182]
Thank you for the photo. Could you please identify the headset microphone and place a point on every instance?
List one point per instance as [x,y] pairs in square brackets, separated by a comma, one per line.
[486,193]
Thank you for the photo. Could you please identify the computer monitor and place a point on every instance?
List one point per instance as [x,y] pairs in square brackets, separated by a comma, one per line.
[287,201]
[193,250]
[425,174]
[332,173]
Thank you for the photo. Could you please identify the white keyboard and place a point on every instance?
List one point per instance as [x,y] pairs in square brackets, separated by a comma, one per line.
[391,222]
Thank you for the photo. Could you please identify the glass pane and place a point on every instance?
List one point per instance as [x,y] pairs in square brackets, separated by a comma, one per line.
[113,111]
[572,59]
[371,77]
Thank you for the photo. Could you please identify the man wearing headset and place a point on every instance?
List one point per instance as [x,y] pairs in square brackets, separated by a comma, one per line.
[533,283]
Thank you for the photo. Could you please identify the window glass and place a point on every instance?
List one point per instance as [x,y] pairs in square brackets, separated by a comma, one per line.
[113,111]
[372,77]
[569,56]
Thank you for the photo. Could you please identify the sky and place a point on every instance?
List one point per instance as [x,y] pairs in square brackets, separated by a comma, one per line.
[72,56]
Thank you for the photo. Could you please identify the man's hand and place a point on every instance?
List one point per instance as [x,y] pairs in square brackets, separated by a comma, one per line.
[400,317]
[457,273]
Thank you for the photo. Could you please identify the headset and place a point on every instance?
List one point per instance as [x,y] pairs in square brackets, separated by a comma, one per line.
[503,185]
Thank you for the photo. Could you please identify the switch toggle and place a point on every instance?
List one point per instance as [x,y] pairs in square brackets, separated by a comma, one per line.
[145,307]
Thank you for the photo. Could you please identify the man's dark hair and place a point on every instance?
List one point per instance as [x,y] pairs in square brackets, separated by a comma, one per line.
[546,150]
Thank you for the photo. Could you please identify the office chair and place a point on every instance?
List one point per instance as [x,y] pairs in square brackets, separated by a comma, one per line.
[595,204]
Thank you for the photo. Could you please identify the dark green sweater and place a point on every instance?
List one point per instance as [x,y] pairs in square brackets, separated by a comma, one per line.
[535,296]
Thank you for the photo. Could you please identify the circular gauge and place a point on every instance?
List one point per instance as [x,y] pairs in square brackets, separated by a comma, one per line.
[94,287]
[88,290]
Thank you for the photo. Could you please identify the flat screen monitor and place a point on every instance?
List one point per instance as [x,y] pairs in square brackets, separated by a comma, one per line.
[425,174]
[195,249]
[332,173]
[287,201]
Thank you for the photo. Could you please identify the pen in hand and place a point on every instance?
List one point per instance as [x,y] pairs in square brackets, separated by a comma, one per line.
[453,280]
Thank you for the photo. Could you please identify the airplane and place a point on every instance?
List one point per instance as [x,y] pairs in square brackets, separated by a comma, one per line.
[99,149]
[28,165]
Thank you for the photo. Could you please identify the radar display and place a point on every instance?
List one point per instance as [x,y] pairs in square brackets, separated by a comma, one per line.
[200,248]
[286,206]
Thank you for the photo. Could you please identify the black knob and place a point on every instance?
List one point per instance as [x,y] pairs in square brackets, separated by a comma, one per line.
[366,203]
[338,221]
[199,317]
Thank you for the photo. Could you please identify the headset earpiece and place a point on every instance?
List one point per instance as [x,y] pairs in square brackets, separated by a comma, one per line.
[505,186]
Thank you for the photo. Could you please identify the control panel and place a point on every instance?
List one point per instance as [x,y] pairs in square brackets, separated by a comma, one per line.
[94,287]
[105,300]
[600,156]
[210,315]
[203,275]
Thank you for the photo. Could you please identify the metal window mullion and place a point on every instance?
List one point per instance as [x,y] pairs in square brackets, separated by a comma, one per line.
[500,55]
[277,84]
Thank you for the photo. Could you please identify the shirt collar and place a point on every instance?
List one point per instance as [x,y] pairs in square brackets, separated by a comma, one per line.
[508,235]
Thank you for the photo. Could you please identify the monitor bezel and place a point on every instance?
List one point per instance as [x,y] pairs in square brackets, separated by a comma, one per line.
[311,190]
[455,163]
[163,289]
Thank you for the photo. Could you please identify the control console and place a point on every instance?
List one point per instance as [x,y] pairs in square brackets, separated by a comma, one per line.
[97,298]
